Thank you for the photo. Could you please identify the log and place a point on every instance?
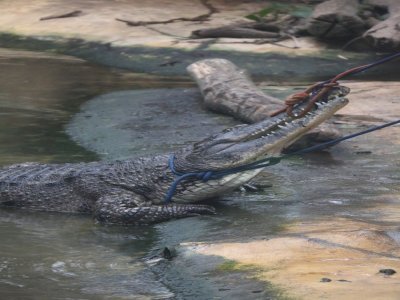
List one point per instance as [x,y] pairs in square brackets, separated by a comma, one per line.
[336,19]
[229,90]
[241,31]
[233,32]
[75,13]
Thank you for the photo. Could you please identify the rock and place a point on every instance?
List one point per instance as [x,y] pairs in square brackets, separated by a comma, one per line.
[388,272]
[336,19]
[133,123]
[385,36]
[169,253]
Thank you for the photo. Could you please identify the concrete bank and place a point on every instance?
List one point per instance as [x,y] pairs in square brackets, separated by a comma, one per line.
[94,34]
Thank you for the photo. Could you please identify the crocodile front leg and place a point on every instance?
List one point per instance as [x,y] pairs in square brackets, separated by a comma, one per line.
[129,208]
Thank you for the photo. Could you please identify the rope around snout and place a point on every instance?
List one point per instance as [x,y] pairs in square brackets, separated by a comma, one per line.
[313,93]
[317,91]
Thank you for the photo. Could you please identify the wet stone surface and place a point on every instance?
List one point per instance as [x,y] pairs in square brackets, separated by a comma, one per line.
[131,123]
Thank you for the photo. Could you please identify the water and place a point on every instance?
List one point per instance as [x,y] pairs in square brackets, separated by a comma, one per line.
[353,188]
[53,256]
[60,256]
[38,95]
[57,256]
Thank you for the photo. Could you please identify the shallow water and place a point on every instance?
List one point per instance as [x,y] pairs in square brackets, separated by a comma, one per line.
[40,92]
[58,256]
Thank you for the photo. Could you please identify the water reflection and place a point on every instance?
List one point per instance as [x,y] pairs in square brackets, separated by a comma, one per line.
[38,95]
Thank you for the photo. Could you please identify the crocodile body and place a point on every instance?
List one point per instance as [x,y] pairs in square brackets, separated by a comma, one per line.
[133,191]
[109,190]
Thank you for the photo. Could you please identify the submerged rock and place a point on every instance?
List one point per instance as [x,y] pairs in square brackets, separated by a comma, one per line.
[142,122]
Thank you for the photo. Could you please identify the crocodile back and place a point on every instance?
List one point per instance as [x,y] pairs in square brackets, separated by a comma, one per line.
[42,187]
[30,173]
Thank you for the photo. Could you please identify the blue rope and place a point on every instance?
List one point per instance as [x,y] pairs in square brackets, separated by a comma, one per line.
[211,175]
[378,62]
[347,137]
[262,163]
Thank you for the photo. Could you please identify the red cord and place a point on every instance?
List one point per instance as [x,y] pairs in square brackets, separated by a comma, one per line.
[294,99]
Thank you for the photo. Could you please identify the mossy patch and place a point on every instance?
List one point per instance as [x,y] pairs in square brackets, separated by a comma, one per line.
[253,271]
[227,266]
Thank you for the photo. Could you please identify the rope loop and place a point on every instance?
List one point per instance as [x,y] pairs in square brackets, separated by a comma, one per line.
[313,93]
[296,98]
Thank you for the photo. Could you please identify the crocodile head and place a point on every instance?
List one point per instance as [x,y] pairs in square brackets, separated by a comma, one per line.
[244,144]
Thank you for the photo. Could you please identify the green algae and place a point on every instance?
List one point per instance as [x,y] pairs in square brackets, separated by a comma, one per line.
[252,271]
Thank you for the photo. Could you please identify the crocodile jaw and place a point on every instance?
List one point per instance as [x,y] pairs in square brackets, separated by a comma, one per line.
[247,143]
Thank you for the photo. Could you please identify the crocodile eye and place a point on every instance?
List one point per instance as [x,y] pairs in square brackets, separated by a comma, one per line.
[233,128]
[227,130]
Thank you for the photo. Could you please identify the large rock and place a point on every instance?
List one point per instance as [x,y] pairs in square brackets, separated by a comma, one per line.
[335,19]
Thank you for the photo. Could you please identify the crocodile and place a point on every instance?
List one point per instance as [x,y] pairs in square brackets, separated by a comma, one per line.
[133,191]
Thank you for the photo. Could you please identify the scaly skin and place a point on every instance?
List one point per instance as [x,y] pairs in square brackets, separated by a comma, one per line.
[133,191]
